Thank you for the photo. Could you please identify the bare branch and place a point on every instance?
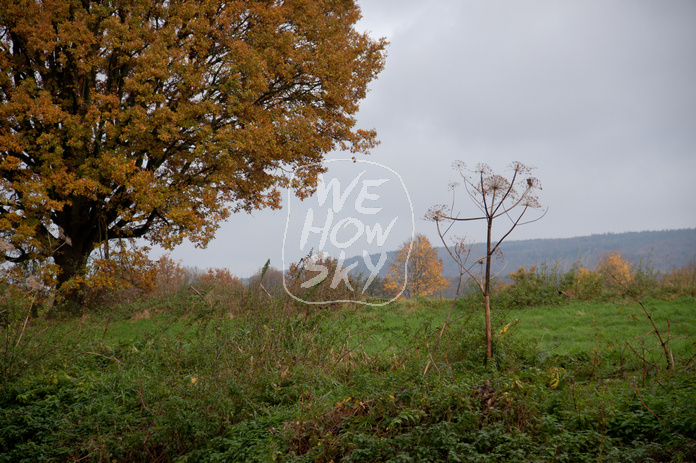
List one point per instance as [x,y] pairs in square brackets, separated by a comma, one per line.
[456,256]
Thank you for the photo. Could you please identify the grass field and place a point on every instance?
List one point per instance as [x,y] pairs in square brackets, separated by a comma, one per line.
[587,326]
[572,327]
[185,380]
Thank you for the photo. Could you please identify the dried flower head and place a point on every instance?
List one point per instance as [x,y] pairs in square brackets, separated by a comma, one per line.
[531,201]
[533,182]
[436,213]
[521,169]
[462,245]
[494,183]
[459,165]
[483,169]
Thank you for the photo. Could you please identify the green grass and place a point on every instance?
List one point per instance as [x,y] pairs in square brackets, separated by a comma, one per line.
[574,327]
[276,382]
[619,333]
[578,326]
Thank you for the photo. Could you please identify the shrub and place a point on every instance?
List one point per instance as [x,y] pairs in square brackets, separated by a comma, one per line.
[616,272]
[588,285]
[301,280]
[538,285]
[644,281]
[680,282]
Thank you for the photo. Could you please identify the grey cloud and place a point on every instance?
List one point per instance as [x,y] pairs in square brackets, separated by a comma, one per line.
[598,94]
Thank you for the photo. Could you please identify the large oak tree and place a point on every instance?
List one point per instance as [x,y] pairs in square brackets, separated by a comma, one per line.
[158,118]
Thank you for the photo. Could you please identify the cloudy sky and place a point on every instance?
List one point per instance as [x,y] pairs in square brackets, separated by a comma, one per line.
[598,95]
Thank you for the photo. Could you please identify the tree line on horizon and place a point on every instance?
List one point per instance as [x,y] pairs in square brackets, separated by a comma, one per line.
[666,249]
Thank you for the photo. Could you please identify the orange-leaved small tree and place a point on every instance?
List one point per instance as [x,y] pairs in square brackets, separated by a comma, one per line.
[417,263]
[616,271]
[496,197]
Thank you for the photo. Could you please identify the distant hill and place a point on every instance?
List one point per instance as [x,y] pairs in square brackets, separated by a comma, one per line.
[665,249]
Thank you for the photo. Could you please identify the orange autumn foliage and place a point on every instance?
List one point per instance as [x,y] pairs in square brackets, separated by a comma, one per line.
[615,269]
[422,268]
[220,278]
[157,119]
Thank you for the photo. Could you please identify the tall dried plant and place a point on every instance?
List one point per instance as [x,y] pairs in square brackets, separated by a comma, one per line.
[496,197]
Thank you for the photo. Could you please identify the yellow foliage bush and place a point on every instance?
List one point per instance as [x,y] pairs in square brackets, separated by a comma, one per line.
[615,270]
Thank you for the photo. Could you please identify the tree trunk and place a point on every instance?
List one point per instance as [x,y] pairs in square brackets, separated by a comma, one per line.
[72,264]
[489,335]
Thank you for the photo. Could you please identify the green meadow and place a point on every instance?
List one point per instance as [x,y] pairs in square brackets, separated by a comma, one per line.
[182,379]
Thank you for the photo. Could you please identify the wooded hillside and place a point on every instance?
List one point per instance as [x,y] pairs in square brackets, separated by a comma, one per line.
[665,249]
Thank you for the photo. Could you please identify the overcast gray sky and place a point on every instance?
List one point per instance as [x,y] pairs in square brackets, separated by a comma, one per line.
[598,95]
